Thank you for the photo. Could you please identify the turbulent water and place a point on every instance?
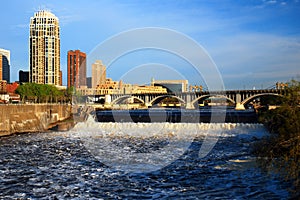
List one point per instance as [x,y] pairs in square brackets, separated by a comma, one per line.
[137,161]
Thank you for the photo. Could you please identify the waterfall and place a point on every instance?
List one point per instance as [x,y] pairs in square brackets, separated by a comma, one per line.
[143,147]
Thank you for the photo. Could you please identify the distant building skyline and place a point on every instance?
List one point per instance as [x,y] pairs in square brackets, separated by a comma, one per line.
[250,50]
[76,68]
[5,65]
[44,49]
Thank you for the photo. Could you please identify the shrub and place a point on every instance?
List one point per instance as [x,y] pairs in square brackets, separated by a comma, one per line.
[280,152]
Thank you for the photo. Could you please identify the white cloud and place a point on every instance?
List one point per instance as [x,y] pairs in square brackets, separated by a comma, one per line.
[283,3]
[271,2]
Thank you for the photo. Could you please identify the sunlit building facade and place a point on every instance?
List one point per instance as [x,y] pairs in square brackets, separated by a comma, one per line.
[44,49]
[76,69]
[98,73]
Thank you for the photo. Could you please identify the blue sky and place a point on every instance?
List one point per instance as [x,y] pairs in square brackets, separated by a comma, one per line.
[253,43]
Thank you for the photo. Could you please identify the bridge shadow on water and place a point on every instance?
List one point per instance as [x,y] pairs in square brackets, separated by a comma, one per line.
[206,115]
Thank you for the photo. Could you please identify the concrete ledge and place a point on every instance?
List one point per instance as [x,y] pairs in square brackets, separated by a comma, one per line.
[22,118]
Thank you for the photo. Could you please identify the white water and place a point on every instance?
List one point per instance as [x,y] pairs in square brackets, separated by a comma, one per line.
[58,165]
[117,144]
[178,130]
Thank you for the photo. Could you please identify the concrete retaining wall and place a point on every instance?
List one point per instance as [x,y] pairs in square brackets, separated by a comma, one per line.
[30,117]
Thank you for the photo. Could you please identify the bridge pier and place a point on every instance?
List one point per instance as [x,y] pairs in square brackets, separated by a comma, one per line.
[189,104]
[107,99]
[147,101]
[238,98]
[239,106]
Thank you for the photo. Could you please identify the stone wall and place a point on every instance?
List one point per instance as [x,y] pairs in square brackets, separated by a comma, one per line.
[30,117]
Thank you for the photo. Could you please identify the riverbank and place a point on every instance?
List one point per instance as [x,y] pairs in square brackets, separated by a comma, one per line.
[279,152]
[27,118]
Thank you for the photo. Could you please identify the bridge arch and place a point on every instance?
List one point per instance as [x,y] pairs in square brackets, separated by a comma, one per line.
[160,98]
[249,99]
[122,98]
[203,97]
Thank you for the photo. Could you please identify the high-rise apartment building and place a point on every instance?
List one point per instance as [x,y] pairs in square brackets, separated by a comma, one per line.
[76,68]
[98,73]
[5,65]
[44,49]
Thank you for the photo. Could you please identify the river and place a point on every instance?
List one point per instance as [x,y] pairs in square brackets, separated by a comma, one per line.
[137,161]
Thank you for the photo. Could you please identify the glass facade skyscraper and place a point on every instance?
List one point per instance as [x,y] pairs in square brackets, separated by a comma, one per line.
[5,65]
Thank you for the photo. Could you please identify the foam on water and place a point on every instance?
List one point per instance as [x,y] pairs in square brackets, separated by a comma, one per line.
[69,165]
[142,147]
[181,130]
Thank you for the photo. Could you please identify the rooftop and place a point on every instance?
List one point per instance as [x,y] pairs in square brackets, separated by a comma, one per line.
[44,14]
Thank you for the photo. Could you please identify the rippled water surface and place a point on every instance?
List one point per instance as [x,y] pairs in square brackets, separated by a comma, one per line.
[65,165]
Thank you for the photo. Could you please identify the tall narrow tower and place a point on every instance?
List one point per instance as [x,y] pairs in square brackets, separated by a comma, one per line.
[44,49]
[76,68]
[98,73]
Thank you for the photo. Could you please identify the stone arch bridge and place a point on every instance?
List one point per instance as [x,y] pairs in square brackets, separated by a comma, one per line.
[190,100]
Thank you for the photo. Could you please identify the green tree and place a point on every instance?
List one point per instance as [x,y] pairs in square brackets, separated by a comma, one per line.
[40,93]
[69,93]
[281,151]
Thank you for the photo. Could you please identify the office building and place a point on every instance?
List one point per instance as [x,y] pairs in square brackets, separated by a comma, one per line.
[44,49]
[5,65]
[148,89]
[76,69]
[172,86]
[89,82]
[23,76]
[98,73]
